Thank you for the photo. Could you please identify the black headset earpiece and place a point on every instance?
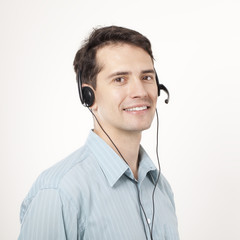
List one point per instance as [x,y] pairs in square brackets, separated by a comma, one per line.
[86,94]
[162,87]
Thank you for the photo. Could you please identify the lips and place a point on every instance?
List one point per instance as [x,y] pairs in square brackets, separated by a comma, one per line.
[135,109]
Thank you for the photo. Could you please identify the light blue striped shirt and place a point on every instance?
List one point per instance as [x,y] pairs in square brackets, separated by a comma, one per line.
[92,194]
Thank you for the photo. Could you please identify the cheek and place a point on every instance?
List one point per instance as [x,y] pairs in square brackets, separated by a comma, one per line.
[154,95]
[109,101]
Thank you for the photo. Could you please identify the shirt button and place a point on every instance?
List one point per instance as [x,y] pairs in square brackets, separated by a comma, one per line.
[149,220]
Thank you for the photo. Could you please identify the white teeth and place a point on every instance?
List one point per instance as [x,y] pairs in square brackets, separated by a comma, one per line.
[136,108]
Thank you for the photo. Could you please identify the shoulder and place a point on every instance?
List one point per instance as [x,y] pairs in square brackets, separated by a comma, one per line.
[62,186]
[52,177]
[166,189]
[62,175]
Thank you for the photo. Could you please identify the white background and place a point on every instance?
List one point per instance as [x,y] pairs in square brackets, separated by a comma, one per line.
[197,50]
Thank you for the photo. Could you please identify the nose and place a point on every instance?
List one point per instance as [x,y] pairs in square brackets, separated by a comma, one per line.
[137,88]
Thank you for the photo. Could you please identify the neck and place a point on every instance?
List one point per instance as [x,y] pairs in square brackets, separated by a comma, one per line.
[127,143]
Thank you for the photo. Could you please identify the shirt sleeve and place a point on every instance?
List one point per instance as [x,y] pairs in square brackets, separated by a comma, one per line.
[43,217]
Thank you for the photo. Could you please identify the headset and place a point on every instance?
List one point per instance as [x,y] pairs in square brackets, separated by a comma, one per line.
[87,98]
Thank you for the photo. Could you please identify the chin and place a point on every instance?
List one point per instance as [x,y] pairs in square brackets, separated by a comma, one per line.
[138,128]
[143,125]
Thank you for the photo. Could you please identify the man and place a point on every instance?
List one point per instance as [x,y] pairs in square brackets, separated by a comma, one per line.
[108,189]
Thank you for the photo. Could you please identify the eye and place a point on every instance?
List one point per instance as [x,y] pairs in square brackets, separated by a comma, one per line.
[148,77]
[119,80]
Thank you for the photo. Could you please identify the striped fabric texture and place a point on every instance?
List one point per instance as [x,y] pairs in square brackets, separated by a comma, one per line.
[93,195]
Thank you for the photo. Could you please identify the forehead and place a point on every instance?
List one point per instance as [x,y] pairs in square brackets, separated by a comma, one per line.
[122,55]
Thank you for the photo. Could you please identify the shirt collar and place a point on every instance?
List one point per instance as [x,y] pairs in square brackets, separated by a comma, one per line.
[113,166]
[146,166]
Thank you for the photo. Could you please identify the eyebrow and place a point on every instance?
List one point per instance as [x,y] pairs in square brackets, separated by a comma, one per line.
[148,71]
[118,74]
[127,73]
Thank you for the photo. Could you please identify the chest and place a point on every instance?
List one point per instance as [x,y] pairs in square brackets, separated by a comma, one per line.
[125,212]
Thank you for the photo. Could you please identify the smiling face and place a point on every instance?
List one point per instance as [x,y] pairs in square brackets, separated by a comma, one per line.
[126,92]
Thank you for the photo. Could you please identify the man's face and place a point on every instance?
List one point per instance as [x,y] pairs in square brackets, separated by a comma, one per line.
[126,92]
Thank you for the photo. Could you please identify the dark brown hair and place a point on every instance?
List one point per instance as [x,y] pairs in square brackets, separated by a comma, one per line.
[85,60]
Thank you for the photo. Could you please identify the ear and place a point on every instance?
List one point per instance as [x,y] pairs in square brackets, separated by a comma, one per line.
[89,96]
